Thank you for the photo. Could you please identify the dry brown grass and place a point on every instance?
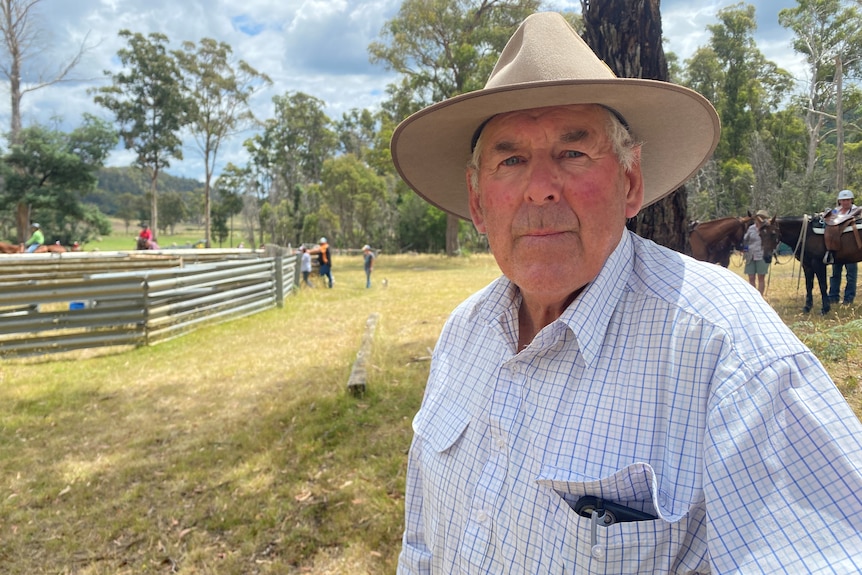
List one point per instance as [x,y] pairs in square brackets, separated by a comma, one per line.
[237,449]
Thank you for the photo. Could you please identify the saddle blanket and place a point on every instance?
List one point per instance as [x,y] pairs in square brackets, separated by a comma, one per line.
[819,226]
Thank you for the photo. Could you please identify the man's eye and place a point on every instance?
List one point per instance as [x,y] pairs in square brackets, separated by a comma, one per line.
[572,154]
[514,160]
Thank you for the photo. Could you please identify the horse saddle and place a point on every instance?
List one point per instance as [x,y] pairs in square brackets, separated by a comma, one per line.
[837,224]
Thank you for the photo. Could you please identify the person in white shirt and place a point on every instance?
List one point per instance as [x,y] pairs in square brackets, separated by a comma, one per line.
[608,405]
[305,265]
[756,262]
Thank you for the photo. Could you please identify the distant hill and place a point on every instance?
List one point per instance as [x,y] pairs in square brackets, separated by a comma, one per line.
[114,183]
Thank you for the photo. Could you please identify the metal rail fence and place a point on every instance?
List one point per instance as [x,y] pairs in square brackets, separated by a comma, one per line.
[53,303]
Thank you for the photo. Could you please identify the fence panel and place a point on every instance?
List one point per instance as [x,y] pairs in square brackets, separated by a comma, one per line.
[80,301]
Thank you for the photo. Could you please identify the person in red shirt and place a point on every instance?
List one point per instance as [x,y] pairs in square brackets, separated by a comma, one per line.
[145,238]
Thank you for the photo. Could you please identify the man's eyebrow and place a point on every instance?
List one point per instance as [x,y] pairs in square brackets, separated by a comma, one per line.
[505,146]
[575,136]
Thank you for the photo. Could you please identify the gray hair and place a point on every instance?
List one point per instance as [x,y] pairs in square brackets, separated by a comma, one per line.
[621,139]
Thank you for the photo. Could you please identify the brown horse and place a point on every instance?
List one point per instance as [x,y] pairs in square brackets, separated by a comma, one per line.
[145,244]
[810,254]
[7,248]
[713,241]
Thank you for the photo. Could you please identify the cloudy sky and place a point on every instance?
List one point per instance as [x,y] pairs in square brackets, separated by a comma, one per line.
[314,46]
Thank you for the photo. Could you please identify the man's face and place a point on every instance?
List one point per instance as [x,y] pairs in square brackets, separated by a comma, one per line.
[552,197]
[846,204]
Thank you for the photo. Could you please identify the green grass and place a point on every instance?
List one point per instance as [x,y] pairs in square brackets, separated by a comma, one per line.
[237,449]
[122,239]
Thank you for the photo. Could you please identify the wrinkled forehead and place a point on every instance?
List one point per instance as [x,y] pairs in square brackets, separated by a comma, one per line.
[588,115]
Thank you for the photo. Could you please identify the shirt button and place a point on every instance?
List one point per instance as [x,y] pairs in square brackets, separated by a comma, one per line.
[515,369]
[598,552]
[500,442]
[481,516]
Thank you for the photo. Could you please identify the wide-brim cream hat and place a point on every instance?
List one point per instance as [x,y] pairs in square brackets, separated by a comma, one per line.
[546,63]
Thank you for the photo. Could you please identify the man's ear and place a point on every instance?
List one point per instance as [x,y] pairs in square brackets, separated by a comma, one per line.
[475,204]
[634,187]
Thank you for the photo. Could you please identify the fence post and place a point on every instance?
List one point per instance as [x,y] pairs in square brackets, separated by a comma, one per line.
[279,280]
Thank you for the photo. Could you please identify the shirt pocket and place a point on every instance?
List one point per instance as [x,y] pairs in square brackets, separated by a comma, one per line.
[448,480]
[661,545]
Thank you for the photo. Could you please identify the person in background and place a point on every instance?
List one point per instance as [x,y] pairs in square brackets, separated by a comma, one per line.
[36,239]
[845,206]
[608,405]
[368,259]
[324,259]
[305,265]
[756,262]
[146,233]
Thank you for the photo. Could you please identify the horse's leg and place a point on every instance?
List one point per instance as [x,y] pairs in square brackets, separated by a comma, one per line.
[820,271]
[809,287]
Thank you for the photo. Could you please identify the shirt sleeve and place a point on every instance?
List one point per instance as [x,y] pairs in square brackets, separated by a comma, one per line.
[415,558]
[783,465]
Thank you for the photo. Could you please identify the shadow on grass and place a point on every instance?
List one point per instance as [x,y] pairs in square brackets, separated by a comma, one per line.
[145,480]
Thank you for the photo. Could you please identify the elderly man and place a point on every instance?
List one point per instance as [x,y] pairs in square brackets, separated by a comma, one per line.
[608,405]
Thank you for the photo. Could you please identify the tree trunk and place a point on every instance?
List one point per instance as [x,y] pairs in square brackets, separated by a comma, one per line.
[627,35]
[839,125]
[453,248]
[154,203]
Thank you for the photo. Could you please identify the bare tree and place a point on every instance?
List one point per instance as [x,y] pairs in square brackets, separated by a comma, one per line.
[22,40]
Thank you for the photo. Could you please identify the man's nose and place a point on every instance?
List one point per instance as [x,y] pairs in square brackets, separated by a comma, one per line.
[545,184]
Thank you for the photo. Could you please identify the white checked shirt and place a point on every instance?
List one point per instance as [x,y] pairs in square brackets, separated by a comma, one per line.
[669,385]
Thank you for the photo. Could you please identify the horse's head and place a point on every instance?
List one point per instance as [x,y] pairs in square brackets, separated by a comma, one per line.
[770,237]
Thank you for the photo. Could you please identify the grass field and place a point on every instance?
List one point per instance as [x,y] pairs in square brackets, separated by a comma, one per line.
[237,449]
[185,234]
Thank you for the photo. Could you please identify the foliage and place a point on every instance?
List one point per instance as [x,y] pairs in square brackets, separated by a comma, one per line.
[49,171]
[443,48]
[219,91]
[779,149]
[422,227]
[746,90]
[149,104]
[357,197]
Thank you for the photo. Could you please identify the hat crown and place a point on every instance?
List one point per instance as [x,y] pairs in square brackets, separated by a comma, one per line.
[546,48]
[845,195]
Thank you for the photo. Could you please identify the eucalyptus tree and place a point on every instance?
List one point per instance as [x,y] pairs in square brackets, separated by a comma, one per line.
[22,40]
[356,132]
[239,188]
[828,33]
[442,48]
[357,196]
[220,91]
[746,89]
[288,155]
[150,105]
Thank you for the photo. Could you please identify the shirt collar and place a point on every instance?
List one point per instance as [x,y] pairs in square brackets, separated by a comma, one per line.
[587,317]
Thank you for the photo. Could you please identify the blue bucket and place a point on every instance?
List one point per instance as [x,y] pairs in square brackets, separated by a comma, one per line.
[76,305]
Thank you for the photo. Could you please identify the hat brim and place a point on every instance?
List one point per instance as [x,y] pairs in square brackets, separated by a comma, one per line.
[678,127]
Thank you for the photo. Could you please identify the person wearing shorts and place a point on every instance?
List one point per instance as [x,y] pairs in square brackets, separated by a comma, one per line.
[756,265]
